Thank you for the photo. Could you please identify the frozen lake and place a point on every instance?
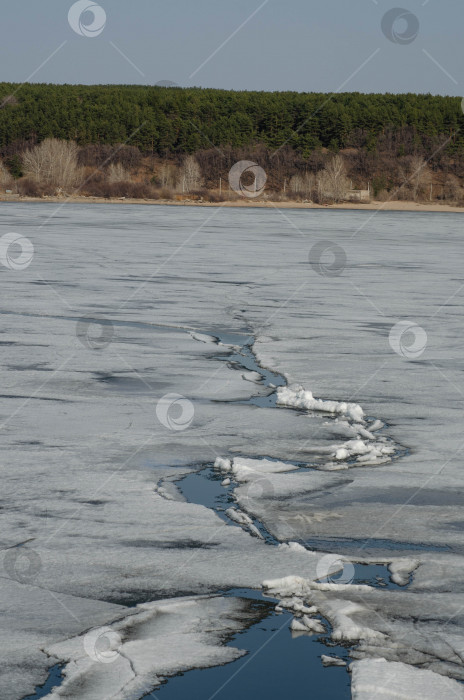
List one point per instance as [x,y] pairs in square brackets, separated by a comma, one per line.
[185,392]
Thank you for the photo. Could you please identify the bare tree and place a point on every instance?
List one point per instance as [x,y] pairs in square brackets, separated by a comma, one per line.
[418,176]
[302,185]
[333,183]
[117,173]
[168,175]
[452,189]
[190,175]
[5,177]
[53,162]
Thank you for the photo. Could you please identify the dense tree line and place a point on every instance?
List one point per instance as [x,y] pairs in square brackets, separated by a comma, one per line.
[169,121]
[158,142]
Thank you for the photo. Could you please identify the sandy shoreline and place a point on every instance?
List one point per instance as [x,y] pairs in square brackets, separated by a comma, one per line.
[256,204]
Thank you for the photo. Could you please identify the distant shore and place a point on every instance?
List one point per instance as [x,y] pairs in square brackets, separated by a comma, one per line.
[258,204]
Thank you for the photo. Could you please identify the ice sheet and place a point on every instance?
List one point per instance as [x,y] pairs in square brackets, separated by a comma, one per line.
[83,448]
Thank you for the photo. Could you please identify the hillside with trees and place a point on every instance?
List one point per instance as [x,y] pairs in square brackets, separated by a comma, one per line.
[157,141]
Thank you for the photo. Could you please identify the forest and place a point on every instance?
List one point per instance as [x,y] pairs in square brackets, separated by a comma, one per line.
[148,135]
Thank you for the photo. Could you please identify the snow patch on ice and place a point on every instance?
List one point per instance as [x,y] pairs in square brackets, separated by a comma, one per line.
[366,452]
[338,612]
[332,660]
[297,397]
[292,547]
[223,465]
[307,624]
[401,570]
[363,448]
[245,469]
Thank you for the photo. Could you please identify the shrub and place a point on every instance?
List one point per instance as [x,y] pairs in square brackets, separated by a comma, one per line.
[29,187]
[215,197]
[116,190]
[383,196]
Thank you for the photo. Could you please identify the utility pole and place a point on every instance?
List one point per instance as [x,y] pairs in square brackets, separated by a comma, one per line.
[220,185]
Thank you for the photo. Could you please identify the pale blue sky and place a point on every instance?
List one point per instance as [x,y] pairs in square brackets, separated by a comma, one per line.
[287,45]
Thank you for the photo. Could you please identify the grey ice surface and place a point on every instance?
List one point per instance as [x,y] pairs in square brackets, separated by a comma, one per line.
[85,533]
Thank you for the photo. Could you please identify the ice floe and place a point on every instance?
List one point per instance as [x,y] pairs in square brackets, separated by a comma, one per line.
[332,660]
[377,678]
[132,656]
